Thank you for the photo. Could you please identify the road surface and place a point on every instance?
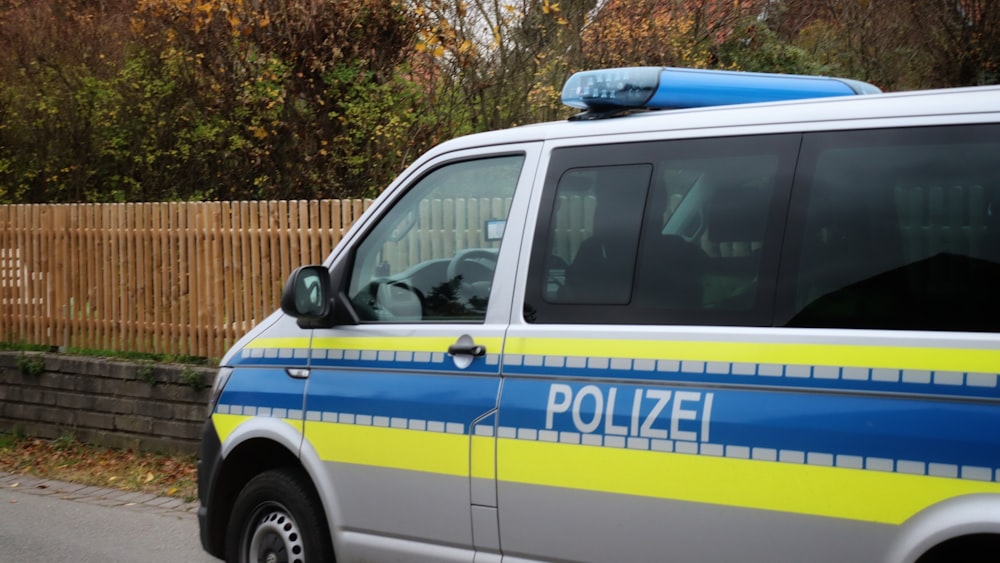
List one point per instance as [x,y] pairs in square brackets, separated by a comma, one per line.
[56,521]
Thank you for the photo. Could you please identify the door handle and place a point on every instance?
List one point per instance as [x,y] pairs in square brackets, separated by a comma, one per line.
[297,373]
[465,346]
[458,349]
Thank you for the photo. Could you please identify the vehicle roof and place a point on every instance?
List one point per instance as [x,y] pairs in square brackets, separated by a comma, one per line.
[935,106]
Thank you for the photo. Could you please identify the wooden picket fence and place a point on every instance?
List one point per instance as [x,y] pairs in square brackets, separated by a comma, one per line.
[161,278]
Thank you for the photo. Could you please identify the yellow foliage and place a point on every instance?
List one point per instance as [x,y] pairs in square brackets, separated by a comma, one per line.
[257,132]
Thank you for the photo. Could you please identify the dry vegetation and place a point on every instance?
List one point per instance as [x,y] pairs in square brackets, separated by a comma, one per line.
[67,459]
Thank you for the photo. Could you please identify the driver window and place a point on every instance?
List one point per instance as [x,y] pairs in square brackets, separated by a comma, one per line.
[432,256]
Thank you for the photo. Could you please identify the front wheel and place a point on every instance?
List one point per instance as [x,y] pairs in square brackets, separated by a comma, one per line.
[278,519]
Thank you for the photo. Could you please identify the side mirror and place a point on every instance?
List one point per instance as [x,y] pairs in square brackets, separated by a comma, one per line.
[307,296]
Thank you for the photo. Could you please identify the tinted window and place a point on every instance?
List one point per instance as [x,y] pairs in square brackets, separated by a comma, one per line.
[667,232]
[897,229]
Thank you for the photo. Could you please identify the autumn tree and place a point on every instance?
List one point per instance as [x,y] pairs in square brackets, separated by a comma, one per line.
[55,61]
[502,60]
[961,39]
[313,94]
[125,100]
[686,33]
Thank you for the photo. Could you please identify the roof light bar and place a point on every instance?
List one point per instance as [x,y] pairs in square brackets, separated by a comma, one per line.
[617,89]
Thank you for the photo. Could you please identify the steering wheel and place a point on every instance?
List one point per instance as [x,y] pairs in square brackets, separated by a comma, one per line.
[387,299]
[474,257]
[471,270]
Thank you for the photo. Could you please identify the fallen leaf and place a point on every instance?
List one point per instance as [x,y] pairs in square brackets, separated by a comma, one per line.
[149,476]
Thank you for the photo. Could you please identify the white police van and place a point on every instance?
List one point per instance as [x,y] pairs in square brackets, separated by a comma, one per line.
[738,332]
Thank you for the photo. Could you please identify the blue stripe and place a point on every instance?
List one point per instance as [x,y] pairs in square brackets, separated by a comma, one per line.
[402,360]
[942,432]
[442,363]
[446,398]
[701,373]
[263,387]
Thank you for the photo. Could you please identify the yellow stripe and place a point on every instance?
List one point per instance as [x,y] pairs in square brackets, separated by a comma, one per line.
[225,424]
[871,496]
[406,344]
[286,342]
[394,448]
[892,357]
[483,458]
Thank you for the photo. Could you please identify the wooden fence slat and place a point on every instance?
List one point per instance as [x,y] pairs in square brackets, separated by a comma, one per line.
[227,288]
[256,244]
[216,314]
[7,293]
[156,242]
[202,291]
[19,306]
[243,263]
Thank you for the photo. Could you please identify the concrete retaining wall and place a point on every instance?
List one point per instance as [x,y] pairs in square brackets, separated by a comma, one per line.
[143,406]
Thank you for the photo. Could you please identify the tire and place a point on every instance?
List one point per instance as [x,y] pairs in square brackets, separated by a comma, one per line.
[278,519]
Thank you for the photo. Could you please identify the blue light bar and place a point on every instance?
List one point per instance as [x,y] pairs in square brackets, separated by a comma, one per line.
[618,89]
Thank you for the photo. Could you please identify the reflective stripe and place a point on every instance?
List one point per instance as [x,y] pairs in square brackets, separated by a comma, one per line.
[415,445]
[411,343]
[375,352]
[818,458]
[433,452]
[957,372]
[278,342]
[226,424]
[870,496]
[761,353]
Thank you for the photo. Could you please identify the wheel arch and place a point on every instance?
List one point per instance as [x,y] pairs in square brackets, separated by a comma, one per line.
[255,446]
[954,524]
[242,463]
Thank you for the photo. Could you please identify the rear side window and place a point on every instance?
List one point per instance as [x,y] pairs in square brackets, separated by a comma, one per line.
[673,232]
[896,229]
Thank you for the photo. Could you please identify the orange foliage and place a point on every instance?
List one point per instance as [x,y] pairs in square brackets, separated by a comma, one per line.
[654,32]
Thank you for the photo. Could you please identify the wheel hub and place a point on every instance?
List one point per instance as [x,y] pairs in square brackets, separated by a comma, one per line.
[276,539]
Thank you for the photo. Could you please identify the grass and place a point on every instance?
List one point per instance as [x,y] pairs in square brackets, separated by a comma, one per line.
[67,459]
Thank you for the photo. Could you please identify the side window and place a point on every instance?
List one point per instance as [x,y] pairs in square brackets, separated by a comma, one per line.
[432,256]
[661,233]
[900,230]
[595,234]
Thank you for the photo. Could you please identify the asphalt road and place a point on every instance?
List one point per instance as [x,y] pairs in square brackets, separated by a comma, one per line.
[56,521]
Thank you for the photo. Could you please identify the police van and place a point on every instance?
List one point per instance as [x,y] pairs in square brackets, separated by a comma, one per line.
[761,324]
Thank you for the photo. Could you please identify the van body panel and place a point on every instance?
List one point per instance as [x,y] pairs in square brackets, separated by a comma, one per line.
[644,529]
[733,421]
[782,348]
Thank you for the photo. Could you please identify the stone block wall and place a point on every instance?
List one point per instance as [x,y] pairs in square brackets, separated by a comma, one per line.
[143,406]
